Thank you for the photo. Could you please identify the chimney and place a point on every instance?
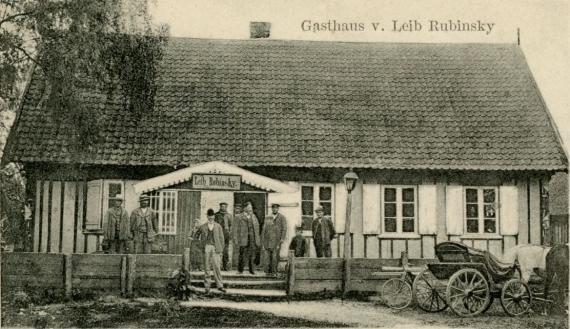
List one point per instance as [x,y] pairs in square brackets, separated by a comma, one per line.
[259,30]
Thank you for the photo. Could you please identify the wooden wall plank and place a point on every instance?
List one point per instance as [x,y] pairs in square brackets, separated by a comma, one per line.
[386,246]
[480,244]
[318,263]
[68,217]
[428,246]
[55,216]
[415,248]
[45,211]
[535,229]
[454,238]
[79,237]
[91,243]
[312,286]
[37,216]
[495,248]
[399,246]
[322,274]
[509,242]
[441,211]
[523,211]
[372,248]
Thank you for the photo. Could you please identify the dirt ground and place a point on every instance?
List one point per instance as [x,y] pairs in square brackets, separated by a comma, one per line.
[112,312]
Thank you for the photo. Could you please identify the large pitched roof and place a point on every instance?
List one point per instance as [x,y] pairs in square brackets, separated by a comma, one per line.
[320,104]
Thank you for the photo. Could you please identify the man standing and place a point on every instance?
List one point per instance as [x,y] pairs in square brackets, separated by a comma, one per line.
[270,243]
[225,220]
[281,223]
[117,230]
[211,236]
[323,233]
[246,237]
[144,225]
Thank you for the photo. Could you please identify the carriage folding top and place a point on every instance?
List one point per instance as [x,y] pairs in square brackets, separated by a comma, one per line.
[454,256]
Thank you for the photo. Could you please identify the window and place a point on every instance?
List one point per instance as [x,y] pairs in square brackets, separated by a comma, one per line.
[481,209]
[165,203]
[311,197]
[399,209]
[113,190]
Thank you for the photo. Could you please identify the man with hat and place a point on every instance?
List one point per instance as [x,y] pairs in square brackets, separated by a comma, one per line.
[323,233]
[225,220]
[117,230]
[246,237]
[144,226]
[280,223]
[211,236]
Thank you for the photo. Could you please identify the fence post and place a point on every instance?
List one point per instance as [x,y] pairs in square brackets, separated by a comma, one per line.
[123,275]
[346,277]
[131,270]
[186,259]
[291,273]
[68,271]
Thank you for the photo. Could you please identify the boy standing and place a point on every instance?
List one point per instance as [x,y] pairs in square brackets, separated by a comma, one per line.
[298,244]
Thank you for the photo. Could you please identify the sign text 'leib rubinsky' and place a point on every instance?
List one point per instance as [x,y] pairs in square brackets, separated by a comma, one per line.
[216,182]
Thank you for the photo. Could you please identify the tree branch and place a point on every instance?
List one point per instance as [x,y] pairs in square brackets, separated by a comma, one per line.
[28,55]
[11,18]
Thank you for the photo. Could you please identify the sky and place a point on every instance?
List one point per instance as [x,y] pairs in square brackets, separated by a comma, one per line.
[544,29]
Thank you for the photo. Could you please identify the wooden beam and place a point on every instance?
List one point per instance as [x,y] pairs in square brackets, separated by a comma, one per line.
[131,273]
[124,275]
[346,277]
[291,274]
[68,271]
[186,259]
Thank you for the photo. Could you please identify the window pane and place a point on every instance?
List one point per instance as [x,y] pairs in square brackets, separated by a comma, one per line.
[325,193]
[489,195]
[390,194]
[408,210]
[490,226]
[114,189]
[408,195]
[471,195]
[389,210]
[490,210]
[307,222]
[472,210]
[408,225]
[472,226]
[307,207]
[390,225]
[307,193]
[327,208]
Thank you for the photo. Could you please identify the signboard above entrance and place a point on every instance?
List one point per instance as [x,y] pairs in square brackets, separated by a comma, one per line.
[216,182]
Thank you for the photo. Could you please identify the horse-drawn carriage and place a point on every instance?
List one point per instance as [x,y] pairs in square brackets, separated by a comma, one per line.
[465,279]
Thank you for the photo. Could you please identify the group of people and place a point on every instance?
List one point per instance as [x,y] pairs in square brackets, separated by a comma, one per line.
[135,233]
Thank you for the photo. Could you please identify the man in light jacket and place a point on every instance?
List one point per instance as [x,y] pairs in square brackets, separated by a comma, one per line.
[117,230]
[246,237]
[211,236]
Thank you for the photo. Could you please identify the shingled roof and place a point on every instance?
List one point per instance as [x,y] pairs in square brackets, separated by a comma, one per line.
[320,104]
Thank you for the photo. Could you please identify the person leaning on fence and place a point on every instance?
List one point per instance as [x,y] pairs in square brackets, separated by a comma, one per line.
[211,236]
[298,244]
[323,233]
[144,225]
[117,231]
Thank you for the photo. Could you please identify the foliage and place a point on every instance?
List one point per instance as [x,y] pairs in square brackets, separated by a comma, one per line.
[80,44]
[12,203]
[179,285]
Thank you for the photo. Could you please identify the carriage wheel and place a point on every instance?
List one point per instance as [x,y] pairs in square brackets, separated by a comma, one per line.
[429,293]
[468,292]
[515,297]
[396,293]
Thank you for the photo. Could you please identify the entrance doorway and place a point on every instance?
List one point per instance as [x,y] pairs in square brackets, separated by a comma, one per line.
[259,202]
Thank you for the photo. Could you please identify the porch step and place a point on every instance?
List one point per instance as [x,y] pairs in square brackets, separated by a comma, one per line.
[265,295]
[245,284]
[235,276]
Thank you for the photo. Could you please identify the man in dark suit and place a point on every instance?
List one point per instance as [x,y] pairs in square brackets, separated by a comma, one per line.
[211,236]
[144,226]
[225,220]
[246,237]
[323,233]
[280,222]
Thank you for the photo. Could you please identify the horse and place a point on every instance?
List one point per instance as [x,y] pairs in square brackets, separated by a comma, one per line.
[529,258]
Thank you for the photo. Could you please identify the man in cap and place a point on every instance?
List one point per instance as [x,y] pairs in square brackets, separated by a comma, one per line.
[144,226]
[225,220]
[117,229]
[211,236]
[280,222]
[323,233]
[246,237]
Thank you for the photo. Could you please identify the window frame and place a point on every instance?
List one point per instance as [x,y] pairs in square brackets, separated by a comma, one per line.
[481,211]
[106,198]
[399,212]
[316,198]
[158,199]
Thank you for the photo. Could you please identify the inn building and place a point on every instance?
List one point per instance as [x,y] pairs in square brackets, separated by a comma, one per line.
[451,142]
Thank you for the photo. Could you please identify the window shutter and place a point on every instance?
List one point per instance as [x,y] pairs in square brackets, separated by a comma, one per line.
[427,213]
[508,210]
[454,210]
[94,204]
[340,196]
[371,208]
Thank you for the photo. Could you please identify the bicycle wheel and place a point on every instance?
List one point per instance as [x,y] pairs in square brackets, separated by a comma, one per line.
[396,293]
[429,292]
